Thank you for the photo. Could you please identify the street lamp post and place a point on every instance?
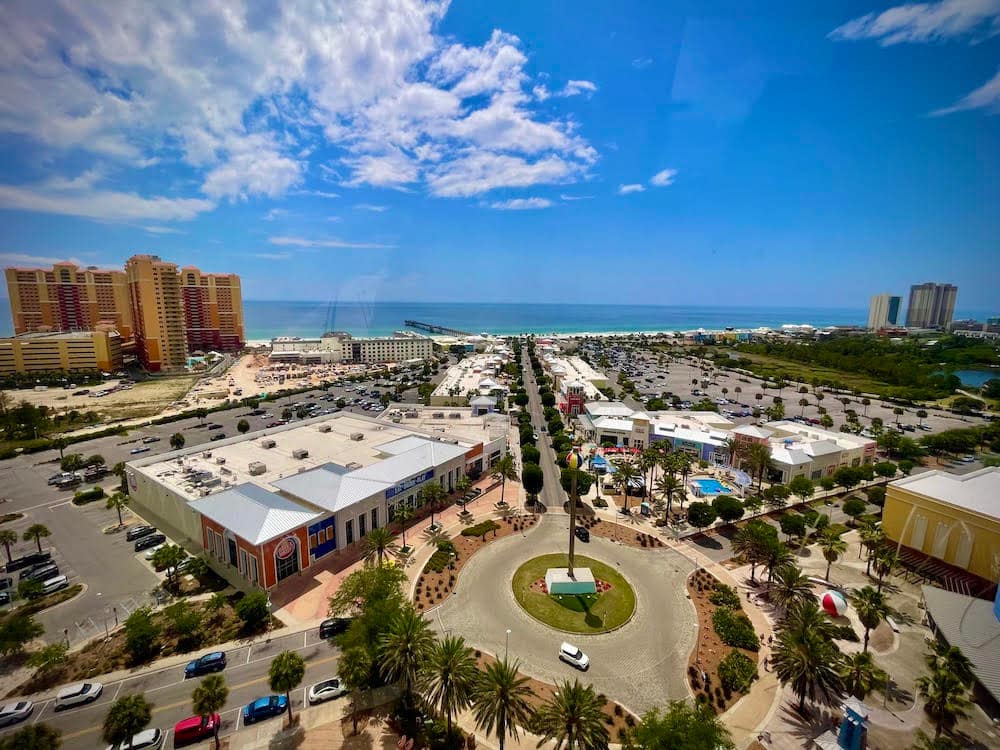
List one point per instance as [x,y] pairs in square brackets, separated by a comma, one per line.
[506,645]
[268,619]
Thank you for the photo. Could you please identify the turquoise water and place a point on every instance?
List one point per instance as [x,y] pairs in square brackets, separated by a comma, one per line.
[976,378]
[712,487]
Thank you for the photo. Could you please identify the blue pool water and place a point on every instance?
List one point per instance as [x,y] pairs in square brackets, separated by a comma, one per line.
[712,487]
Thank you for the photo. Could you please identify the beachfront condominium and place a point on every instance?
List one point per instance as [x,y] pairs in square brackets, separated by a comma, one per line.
[931,305]
[68,298]
[213,310]
[155,290]
[61,351]
[883,311]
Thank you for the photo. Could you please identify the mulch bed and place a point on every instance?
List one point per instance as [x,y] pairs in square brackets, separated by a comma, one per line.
[709,649]
[625,535]
[616,718]
[433,587]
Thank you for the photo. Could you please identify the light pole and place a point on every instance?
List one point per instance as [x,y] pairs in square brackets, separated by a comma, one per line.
[268,619]
[506,645]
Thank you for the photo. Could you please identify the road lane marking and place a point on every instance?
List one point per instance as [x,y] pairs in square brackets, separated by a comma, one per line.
[187,702]
[120,686]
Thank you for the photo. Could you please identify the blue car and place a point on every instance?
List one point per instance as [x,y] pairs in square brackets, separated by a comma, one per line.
[264,708]
[213,662]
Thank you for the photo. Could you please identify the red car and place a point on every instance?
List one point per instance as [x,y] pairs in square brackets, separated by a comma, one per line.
[196,728]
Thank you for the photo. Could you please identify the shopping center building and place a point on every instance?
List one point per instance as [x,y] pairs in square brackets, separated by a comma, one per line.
[269,504]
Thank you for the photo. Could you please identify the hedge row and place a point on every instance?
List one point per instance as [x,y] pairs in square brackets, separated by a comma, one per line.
[88,496]
[481,529]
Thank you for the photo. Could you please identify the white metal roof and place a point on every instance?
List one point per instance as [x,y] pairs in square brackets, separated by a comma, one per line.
[976,491]
[253,513]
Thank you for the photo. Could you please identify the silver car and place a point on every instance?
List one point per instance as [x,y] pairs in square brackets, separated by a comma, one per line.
[78,694]
[12,713]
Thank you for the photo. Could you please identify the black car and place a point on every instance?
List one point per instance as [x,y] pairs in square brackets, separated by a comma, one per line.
[41,572]
[205,664]
[218,436]
[334,626]
[20,563]
[215,426]
[4,598]
[149,541]
[582,534]
[137,532]
[6,582]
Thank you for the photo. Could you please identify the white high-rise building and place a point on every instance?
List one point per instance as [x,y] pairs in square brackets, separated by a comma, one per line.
[883,311]
[931,305]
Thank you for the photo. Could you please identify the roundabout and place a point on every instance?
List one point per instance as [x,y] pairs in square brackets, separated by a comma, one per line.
[641,661]
[590,614]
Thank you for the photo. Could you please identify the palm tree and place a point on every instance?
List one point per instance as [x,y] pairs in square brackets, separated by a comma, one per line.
[861,675]
[209,698]
[750,543]
[380,542]
[944,696]
[790,587]
[949,658]
[871,607]
[666,486]
[404,648]
[500,702]
[649,459]
[36,533]
[503,470]
[832,546]
[7,538]
[356,671]
[177,441]
[119,471]
[803,402]
[804,655]
[871,536]
[778,555]
[403,514]
[573,719]
[285,674]
[450,676]
[885,560]
[934,743]
[759,459]
[127,716]
[624,474]
[118,501]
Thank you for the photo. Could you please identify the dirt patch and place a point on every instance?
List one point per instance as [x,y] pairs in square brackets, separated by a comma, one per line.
[882,638]
[627,536]
[144,399]
[709,651]
[616,718]
[434,587]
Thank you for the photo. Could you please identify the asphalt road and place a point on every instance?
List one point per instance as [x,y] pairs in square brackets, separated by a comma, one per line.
[170,693]
[552,494]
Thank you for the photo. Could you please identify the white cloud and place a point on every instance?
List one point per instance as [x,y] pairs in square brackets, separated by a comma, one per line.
[629,189]
[275,213]
[25,259]
[106,205]
[985,97]
[480,172]
[318,193]
[642,62]
[521,204]
[564,197]
[250,97]
[331,242]
[162,230]
[663,178]
[925,22]
[371,207]
[573,88]
[272,256]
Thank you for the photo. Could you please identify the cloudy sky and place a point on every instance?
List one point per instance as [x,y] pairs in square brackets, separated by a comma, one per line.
[705,152]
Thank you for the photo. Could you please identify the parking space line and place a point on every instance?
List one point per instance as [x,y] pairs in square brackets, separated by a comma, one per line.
[120,686]
[305,638]
[249,649]
[38,714]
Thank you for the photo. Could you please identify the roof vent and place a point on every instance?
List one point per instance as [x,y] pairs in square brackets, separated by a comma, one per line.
[267,443]
[256,468]
[300,453]
[324,428]
[357,436]
[353,466]
[206,454]
[220,460]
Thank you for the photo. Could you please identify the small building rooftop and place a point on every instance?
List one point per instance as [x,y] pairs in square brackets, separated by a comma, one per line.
[254,513]
[977,491]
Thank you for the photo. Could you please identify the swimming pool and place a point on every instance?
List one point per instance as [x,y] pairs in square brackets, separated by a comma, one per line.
[711,487]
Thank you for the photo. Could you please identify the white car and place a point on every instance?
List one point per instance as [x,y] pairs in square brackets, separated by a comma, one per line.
[574,656]
[327,690]
[12,713]
[151,552]
[78,694]
[150,739]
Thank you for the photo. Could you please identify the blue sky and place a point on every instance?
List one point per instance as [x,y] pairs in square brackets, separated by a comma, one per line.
[728,153]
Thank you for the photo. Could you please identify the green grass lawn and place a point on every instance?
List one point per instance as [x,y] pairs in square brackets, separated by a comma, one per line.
[803,372]
[591,613]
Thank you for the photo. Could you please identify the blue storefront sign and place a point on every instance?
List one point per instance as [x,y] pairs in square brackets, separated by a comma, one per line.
[408,484]
[322,537]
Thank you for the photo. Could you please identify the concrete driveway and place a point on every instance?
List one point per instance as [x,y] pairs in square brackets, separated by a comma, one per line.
[642,664]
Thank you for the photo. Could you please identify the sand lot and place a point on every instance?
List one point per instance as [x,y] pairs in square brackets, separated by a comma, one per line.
[142,400]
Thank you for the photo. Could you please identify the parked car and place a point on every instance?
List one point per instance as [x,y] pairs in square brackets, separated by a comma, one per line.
[149,541]
[6,582]
[137,532]
[196,728]
[574,656]
[20,563]
[151,552]
[151,439]
[78,694]
[581,533]
[334,626]
[54,584]
[4,598]
[264,708]
[12,713]
[40,572]
[149,739]
[62,476]
[218,436]
[206,663]
[215,426]
[136,451]
[327,690]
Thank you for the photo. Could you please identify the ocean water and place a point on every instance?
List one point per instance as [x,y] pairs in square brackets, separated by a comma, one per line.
[265,319]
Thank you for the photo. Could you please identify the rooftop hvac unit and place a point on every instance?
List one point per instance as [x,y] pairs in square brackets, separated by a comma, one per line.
[437,415]
[256,468]
[353,466]
[455,415]
[267,443]
[357,436]
[412,414]
[397,419]
[220,460]
[324,428]
[300,453]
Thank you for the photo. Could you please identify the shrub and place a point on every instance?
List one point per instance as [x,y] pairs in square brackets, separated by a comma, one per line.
[141,635]
[725,596]
[735,629]
[600,502]
[88,496]
[253,610]
[737,671]
[481,529]
[438,561]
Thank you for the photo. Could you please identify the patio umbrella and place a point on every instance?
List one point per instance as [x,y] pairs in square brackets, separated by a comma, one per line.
[834,603]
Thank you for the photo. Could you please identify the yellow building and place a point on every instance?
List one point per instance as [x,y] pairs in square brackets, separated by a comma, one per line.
[951,517]
[68,298]
[155,289]
[72,351]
